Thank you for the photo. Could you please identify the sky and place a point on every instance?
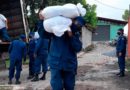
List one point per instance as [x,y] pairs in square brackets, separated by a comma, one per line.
[113,9]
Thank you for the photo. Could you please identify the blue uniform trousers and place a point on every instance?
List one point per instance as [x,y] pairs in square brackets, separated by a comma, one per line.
[15,64]
[121,62]
[31,64]
[4,34]
[41,60]
[61,79]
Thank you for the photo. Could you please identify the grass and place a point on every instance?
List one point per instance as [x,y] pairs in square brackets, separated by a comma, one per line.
[128,64]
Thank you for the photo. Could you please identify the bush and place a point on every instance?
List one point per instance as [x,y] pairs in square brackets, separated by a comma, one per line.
[128,64]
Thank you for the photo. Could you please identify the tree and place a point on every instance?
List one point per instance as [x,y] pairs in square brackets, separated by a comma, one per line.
[125,15]
[40,4]
[91,16]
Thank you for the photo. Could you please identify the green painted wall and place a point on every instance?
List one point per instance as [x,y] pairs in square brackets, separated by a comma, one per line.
[113,28]
[113,31]
[102,23]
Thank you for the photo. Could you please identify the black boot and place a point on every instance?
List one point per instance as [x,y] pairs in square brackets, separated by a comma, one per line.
[122,74]
[43,76]
[118,74]
[36,78]
[30,76]
[17,82]
[10,82]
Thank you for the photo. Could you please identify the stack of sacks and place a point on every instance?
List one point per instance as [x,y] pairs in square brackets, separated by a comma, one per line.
[58,18]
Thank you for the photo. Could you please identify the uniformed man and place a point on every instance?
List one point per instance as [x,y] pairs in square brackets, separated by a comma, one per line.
[40,27]
[62,57]
[41,52]
[31,49]
[121,52]
[3,28]
[17,51]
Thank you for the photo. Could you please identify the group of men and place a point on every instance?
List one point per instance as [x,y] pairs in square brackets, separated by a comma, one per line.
[37,50]
[59,53]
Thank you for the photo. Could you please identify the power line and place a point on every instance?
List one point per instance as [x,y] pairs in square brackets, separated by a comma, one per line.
[110,5]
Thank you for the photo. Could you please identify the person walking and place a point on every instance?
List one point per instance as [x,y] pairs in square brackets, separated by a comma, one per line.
[31,50]
[41,53]
[62,57]
[17,51]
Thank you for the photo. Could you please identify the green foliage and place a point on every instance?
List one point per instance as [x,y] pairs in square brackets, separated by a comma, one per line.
[40,4]
[83,2]
[91,16]
[128,64]
[125,15]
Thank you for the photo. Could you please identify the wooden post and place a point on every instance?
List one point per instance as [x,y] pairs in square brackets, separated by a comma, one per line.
[129,34]
[24,21]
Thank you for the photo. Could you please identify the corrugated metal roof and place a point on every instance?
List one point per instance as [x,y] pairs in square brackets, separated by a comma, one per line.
[113,20]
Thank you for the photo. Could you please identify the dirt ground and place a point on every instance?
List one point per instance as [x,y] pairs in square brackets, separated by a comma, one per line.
[95,72]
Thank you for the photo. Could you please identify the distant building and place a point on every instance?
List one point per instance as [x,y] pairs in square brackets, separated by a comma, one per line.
[107,28]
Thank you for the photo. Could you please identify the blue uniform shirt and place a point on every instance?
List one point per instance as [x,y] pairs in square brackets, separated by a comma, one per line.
[40,28]
[121,44]
[17,50]
[42,46]
[31,47]
[63,52]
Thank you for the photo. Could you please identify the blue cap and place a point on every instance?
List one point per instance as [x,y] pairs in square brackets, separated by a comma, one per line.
[80,20]
[22,36]
[31,34]
[121,29]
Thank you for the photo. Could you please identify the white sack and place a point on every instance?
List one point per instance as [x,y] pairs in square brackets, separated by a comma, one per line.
[57,25]
[51,11]
[36,35]
[67,10]
[72,10]
[81,9]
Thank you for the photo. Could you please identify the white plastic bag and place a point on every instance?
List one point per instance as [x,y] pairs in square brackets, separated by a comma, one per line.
[70,11]
[57,25]
[67,10]
[51,11]
[36,35]
[81,9]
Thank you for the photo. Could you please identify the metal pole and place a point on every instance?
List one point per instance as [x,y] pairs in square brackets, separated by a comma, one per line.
[129,34]
[24,22]
[129,11]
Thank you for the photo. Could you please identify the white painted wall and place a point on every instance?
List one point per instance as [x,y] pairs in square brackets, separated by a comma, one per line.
[86,37]
[126,30]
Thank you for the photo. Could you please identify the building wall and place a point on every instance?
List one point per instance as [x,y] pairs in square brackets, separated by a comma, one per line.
[102,33]
[86,37]
[113,28]
[11,9]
